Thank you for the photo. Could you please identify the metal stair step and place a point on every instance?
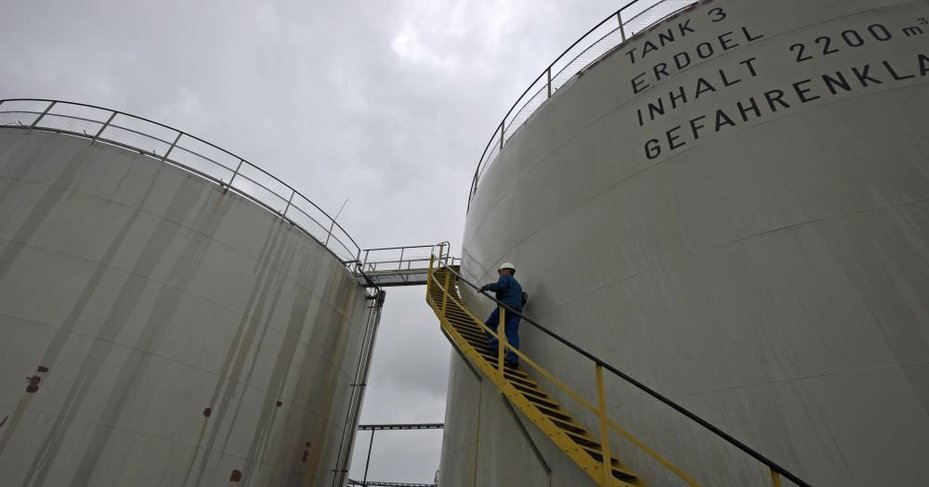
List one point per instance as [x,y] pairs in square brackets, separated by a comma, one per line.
[520,380]
[468,325]
[474,343]
[618,471]
[458,317]
[530,390]
[507,371]
[569,426]
[526,381]
[553,413]
[456,311]
[461,321]
[461,324]
[585,441]
[598,456]
[472,334]
[487,355]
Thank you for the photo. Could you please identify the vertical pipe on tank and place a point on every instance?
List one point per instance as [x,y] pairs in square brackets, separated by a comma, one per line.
[340,472]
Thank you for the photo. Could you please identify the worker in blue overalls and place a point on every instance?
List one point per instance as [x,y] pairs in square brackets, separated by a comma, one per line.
[509,292]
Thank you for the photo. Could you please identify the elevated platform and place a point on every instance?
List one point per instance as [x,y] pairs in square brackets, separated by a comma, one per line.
[400,266]
[394,277]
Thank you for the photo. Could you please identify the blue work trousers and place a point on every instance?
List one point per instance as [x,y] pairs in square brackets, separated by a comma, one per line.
[511,329]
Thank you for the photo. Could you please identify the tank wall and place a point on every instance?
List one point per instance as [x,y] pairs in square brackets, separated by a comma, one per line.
[149,296]
[489,443]
[758,252]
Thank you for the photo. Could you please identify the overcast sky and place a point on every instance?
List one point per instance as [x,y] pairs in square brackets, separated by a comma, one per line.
[387,103]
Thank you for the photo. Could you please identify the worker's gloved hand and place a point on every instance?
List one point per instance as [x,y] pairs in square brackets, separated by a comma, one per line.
[484,287]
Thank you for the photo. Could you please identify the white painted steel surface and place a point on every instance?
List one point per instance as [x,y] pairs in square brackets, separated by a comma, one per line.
[759,252]
[193,154]
[492,443]
[150,295]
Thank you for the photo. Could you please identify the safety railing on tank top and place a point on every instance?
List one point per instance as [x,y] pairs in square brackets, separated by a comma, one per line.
[611,32]
[171,146]
[600,410]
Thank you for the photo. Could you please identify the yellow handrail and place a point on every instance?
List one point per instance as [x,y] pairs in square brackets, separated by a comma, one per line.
[501,339]
[775,478]
[605,422]
[604,431]
[445,293]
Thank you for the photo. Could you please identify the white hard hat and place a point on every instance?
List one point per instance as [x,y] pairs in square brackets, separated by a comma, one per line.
[507,265]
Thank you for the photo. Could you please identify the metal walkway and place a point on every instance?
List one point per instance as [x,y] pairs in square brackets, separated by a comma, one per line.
[398,266]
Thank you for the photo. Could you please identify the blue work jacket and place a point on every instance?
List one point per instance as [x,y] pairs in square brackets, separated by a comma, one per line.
[507,290]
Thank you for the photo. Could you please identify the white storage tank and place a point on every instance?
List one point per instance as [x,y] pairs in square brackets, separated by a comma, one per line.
[157,328]
[733,207]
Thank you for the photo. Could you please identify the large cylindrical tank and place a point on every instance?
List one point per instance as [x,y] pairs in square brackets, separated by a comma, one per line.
[732,207]
[158,330]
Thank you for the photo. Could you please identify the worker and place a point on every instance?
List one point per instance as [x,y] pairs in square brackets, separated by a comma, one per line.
[509,292]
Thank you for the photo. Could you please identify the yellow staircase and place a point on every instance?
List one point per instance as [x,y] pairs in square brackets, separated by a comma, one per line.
[467,334]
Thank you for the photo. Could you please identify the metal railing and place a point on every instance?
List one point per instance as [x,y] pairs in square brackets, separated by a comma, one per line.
[172,146]
[631,19]
[775,471]
[389,427]
[402,426]
[375,483]
[404,258]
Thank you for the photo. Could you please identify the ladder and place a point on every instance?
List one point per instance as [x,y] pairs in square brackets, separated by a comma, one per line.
[468,334]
